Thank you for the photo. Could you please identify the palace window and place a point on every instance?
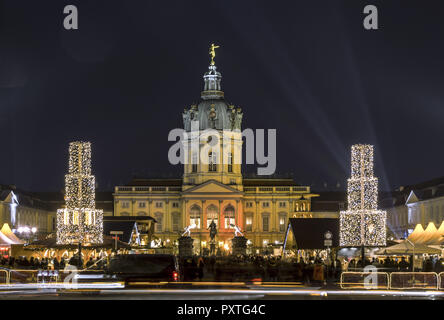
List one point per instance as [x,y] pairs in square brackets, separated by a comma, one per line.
[212,166]
[159,218]
[265,223]
[195,216]
[249,223]
[176,221]
[125,204]
[282,220]
[249,205]
[212,214]
[175,204]
[230,162]
[282,204]
[265,204]
[229,217]
[159,204]
[142,204]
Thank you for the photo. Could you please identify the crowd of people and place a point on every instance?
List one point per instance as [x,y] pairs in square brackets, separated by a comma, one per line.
[389,264]
[259,268]
[50,263]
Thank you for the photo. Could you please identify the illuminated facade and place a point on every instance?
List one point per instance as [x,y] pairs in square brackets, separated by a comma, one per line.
[362,223]
[215,189]
[26,212]
[79,222]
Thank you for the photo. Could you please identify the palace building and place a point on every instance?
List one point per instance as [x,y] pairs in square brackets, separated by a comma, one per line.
[215,189]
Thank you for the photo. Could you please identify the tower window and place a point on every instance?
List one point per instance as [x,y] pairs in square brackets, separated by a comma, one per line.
[230,162]
[212,166]
[194,163]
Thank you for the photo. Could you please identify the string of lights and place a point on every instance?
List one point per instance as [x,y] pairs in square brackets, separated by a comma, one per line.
[79,222]
[362,223]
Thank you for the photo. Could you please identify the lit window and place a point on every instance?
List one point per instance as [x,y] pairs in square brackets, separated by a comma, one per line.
[195,216]
[212,215]
[282,219]
[229,217]
[248,223]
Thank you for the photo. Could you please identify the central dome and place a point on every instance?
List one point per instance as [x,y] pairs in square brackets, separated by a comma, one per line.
[213,112]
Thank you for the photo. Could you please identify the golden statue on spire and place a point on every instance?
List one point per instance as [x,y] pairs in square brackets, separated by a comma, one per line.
[213,48]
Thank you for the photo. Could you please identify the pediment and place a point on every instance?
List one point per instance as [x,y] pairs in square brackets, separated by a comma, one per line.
[412,198]
[211,187]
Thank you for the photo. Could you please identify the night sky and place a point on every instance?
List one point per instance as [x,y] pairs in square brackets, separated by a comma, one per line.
[306,68]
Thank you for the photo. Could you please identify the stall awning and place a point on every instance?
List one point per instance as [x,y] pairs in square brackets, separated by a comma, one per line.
[309,233]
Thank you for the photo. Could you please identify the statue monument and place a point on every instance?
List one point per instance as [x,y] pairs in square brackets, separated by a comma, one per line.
[213,232]
[239,241]
[186,242]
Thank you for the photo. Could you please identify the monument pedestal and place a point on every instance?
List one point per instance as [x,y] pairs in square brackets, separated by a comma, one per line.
[239,245]
[185,246]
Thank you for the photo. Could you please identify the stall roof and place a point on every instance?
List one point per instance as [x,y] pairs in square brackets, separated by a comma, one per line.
[406,247]
[309,233]
[126,227]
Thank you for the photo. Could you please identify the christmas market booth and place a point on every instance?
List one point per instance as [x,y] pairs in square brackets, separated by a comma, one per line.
[9,243]
[311,237]
[48,248]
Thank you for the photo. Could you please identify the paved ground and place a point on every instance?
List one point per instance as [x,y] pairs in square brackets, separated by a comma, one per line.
[210,291]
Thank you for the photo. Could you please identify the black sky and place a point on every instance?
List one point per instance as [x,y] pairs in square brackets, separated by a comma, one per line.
[306,68]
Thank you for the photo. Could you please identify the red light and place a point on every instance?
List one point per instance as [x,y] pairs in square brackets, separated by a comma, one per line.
[175,276]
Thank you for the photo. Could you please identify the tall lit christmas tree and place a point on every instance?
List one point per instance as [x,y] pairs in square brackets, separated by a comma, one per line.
[362,224]
[79,222]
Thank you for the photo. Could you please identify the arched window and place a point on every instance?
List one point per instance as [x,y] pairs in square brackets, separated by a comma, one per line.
[212,215]
[141,214]
[195,216]
[212,166]
[125,214]
[159,218]
[229,216]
